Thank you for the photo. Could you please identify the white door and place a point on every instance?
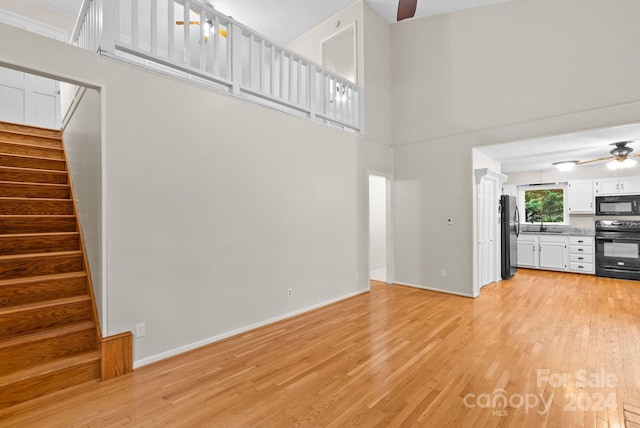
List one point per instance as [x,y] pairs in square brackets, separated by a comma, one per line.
[552,255]
[527,251]
[608,186]
[487,226]
[26,98]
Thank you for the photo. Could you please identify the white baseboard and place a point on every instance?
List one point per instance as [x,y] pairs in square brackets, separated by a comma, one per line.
[434,289]
[379,274]
[226,335]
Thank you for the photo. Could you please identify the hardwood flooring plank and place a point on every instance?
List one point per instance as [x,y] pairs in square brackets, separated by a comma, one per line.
[395,357]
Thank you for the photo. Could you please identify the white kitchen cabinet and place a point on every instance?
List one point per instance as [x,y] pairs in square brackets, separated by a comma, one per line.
[630,186]
[618,186]
[553,252]
[528,251]
[607,186]
[581,197]
[581,254]
[556,252]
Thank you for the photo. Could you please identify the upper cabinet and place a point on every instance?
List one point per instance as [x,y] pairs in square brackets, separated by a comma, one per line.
[581,197]
[618,186]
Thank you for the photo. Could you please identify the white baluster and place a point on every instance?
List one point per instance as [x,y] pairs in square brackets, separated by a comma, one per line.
[154,27]
[272,71]
[171,23]
[261,86]
[236,41]
[290,95]
[281,83]
[134,24]
[203,37]
[187,34]
[216,45]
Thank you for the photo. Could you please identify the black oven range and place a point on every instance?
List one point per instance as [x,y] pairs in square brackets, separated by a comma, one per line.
[618,249]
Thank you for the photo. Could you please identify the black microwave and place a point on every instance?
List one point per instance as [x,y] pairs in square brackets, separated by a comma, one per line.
[618,205]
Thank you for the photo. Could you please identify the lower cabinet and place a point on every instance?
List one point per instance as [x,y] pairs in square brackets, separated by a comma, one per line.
[556,252]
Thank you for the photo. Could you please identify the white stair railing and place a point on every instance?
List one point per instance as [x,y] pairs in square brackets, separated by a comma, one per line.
[191,39]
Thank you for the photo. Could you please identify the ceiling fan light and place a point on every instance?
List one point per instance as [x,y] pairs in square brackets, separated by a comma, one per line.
[621,164]
[565,165]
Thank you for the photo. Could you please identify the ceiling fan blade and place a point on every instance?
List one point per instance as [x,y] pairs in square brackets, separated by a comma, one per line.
[595,160]
[406,9]
[190,22]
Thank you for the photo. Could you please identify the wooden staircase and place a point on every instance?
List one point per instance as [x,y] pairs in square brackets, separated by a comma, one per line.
[49,338]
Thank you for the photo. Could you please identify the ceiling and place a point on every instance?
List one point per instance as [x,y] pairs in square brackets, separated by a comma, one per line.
[539,153]
[285,20]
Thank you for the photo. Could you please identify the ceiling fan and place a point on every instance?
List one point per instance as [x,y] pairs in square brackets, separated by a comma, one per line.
[620,158]
[406,9]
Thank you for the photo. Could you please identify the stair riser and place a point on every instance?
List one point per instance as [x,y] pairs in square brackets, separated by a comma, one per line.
[25,150]
[36,266]
[17,190]
[24,356]
[37,225]
[22,294]
[37,387]
[35,207]
[29,130]
[24,162]
[26,176]
[38,244]
[37,319]
[32,140]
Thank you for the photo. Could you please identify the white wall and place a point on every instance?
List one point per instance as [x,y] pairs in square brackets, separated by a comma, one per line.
[516,70]
[209,221]
[377,227]
[83,143]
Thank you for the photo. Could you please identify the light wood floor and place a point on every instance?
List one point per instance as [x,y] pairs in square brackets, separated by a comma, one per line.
[395,357]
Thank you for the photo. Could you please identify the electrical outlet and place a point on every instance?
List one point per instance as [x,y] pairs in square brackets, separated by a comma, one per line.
[141,330]
[443,273]
[290,292]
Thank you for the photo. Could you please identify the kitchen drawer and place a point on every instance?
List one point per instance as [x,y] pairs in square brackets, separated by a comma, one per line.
[581,267]
[581,258]
[581,241]
[580,249]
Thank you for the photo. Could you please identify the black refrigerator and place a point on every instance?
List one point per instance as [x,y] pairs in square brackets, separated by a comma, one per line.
[509,231]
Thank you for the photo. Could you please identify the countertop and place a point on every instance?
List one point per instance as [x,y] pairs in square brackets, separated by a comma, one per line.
[557,230]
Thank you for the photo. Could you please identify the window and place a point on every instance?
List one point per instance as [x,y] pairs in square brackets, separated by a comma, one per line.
[544,204]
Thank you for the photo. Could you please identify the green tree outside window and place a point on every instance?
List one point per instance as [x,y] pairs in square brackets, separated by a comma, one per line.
[545,205]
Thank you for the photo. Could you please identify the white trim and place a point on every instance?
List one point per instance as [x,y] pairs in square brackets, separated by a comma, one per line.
[439,290]
[58,33]
[210,340]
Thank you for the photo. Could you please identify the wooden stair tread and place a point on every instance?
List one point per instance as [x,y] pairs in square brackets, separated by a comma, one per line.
[32,157]
[39,255]
[36,170]
[50,368]
[36,216]
[46,334]
[31,279]
[6,199]
[38,235]
[36,131]
[35,146]
[44,304]
[28,183]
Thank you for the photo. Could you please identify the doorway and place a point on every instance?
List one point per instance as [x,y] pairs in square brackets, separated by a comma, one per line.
[380,249]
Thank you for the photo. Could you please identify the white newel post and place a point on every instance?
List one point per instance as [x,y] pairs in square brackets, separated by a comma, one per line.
[236,58]
[109,26]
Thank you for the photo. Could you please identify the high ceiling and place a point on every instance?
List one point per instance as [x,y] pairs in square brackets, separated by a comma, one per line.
[285,20]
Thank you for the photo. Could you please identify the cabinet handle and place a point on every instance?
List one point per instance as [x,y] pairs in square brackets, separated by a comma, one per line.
[580,258]
[580,249]
[580,267]
[580,242]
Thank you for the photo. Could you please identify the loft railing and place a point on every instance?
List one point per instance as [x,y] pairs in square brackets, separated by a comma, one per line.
[191,39]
